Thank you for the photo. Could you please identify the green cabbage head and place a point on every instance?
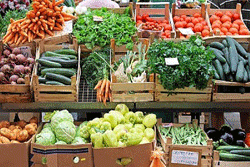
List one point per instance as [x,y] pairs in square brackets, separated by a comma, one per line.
[46,138]
[65,131]
[61,116]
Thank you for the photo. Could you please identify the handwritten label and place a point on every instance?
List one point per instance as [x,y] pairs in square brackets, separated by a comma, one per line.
[171,61]
[97,18]
[185,157]
[186,31]
[26,51]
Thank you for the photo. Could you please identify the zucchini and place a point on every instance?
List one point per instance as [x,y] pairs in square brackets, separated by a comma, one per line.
[64,63]
[217,45]
[66,52]
[216,50]
[59,78]
[48,63]
[220,57]
[42,80]
[245,78]
[226,55]
[240,72]
[219,69]
[229,148]
[248,72]
[242,59]
[226,68]
[53,83]
[63,71]
[233,56]
[233,157]
[52,54]
[240,49]
[224,42]
[241,152]
[216,75]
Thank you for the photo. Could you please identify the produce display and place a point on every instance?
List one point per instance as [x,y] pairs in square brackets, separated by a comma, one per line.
[195,63]
[231,62]
[228,24]
[8,5]
[14,66]
[17,132]
[99,33]
[57,68]
[161,27]
[184,135]
[195,22]
[45,18]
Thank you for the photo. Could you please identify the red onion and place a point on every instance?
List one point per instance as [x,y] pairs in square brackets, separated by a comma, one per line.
[14,78]
[16,51]
[31,60]
[2,76]
[12,56]
[27,70]
[20,81]
[5,68]
[20,58]
[6,52]
[19,69]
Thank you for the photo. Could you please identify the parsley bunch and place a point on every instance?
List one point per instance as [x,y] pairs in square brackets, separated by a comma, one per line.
[195,63]
[117,26]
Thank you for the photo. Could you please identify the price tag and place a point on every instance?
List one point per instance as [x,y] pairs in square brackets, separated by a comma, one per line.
[171,61]
[97,18]
[26,51]
[185,157]
[186,31]
[68,28]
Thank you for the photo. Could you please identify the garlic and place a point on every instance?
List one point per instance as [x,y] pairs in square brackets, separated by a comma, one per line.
[81,10]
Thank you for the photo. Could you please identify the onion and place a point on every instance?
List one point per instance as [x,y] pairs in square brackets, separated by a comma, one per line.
[20,58]
[16,51]
[12,56]
[6,52]
[20,81]
[31,60]
[19,69]
[5,68]
[2,76]
[27,70]
[14,78]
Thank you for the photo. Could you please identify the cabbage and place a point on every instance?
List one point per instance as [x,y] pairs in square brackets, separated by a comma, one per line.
[119,116]
[78,140]
[84,133]
[45,138]
[150,120]
[47,130]
[60,142]
[47,125]
[119,128]
[61,116]
[122,108]
[139,126]
[65,131]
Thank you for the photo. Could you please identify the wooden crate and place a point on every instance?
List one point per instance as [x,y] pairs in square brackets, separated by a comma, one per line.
[213,11]
[191,12]
[20,93]
[55,93]
[218,163]
[205,152]
[155,12]
[187,94]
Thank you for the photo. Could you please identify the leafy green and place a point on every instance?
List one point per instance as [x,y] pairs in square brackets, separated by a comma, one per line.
[195,63]
[117,26]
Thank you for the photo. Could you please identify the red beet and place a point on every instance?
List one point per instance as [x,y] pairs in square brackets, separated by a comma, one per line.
[2,76]
[31,60]
[20,58]
[20,81]
[12,57]
[19,69]
[16,51]
[14,78]
[5,68]
[6,52]
[27,70]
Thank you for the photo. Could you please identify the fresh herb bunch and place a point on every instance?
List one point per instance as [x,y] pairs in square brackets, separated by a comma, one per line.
[117,26]
[94,68]
[5,21]
[195,63]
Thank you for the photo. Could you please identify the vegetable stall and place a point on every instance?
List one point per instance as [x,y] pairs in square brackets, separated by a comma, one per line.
[107,84]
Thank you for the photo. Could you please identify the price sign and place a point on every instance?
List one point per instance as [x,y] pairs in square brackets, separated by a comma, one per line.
[97,18]
[186,31]
[171,61]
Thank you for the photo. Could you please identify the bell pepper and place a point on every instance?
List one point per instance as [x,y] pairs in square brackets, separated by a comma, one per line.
[122,108]
[150,120]
[93,123]
[139,126]
[119,116]
[139,117]
[91,131]
[97,140]
[121,135]
[84,133]
[144,140]
[136,130]
[105,126]
[119,128]
[128,126]
[149,133]
[130,117]
[133,139]
[110,139]
[111,119]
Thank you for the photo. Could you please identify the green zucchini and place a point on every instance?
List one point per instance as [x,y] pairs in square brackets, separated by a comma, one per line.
[233,56]
[226,68]
[216,50]
[245,78]
[63,71]
[48,63]
[229,148]
[59,78]
[233,157]
[242,59]
[216,75]
[241,152]
[220,57]
[66,52]
[224,42]
[217,45]
[248,72]
[52,54]
[53,83]
[240,49]
[42,80]
[64,63]
[226,55]
[219,69]
[240,72]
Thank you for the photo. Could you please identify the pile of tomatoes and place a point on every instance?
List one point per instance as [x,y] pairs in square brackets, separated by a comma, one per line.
[195,22]
[228,23]
[154,25]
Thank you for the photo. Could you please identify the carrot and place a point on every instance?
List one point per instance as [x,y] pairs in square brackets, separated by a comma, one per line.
[16,37]
[53,2]
[25,26]
[32,14]
[67,18]
[45,13]
[11,20]
[31,25]
[59,25]
[9,37]
[11,41]
[41,17]
[50,6]
[104,100]
[39,22]
[23,23]
[29,36]
[98,85]
[28,21]
[25,40]
[19,40]
[36,19]
[39,34]
[59,2]
[57,8]
[57,29]
[51,24]
[107,89]
[60,20]
[67,15]
[35,27]
[44,21]
[51,28]
[38,14]
[33,20]
[43,33]
[23,33]
[103,86]
[7,34]
[49,32]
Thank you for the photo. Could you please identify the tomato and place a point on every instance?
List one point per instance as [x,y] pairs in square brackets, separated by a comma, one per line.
[190,25]
[206,28]
[184,24]
[229,33]
[216,31]
[138,18]
[234,25]
[227,25]
[168,27]
[176,18]
[242,26]
[247,139]
[197,28]
[244,32]
[148,19]
[179,24]
[225,18]
[236,16]
[195,21]
[184,16]
[200,19]
[205,33]
[144,16]
[233,30]
[224,30]
[196,15]
[188,19]
[229,14]
[165,21]
[238,21]
[213,18]
[216,25]
[204,23]
[219,14]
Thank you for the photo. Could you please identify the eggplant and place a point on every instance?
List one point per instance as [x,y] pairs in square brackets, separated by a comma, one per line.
[239,134]
[213,133]
[228,138]
[239,143]
[225,129]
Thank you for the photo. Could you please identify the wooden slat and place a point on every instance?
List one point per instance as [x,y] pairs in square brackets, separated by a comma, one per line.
[159,87]
[53,88]
[132,86]
[152,11]
[55,97]
[227,83]
[137,97]
[231,97]
[15,88]
[20,98]
[184,97]
[55,47]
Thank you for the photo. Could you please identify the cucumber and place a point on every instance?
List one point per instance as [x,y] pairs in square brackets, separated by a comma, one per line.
[240,72]
[42,80]
[52,54]
[224,42]
[226,68]
[242,59]
[229,148]
[241,152]
[48,63]
[216,50]
[66,52]
[53,83]
[233,56]
[59,78]
[248,72]
[233,157]
[223,143]
[240,49]
[63,71]
[220,57]
[226,55]
[219,69]
[230,41]
[245,78]
[217,45]
[230,77]
[216,75]
[64,63]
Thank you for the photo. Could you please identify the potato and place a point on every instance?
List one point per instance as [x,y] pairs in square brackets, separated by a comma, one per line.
[31,129]
[21,123]
[16,131]
[4,140]
[34,124]
[4,124]
[5,132]
[14,141]
[12,127]
[34,120]
[22,135]
[13,136]
[18,127]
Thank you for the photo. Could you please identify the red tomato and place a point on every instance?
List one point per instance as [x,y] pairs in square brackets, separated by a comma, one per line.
[206,28]
[188,19]
[148,19]
[190,25]
[138,18]
[144,16]
[165,21]
[176,19]
[236,16]
[168,27]
[204,23]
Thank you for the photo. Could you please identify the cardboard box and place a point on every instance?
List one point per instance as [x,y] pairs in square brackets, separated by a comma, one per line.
[61,155]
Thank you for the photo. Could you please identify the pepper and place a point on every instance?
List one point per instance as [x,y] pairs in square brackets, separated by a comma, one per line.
[110,139]
[130,117]
[105,126]
[139,117]
[111,119]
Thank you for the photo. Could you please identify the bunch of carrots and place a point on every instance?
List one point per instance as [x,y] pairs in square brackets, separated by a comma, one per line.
[45,18]
[103,91]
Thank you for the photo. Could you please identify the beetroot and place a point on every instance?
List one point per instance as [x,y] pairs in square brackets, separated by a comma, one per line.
[16,51]
[12,57]
[13,83]
[19,69]
[6,52]
[31,60]
[20,58]
[31,66]
[14,78]
[2,76]
[20,81]
[5,68]
[27,70]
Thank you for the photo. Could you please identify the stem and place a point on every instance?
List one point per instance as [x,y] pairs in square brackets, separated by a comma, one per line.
[105,62]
